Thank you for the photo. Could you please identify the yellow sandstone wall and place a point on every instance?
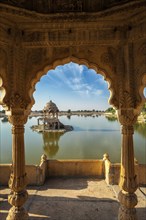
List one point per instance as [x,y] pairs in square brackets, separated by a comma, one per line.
[34,174]
[5,170]
[70,168]
[75,168]
[142,174]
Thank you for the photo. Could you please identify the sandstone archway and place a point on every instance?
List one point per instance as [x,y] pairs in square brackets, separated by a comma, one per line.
[108,36]
[80,62]
[141,90]
[2,91]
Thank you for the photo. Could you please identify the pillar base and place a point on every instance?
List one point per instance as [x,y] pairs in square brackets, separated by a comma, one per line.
[127,209]
[127,214]
[17,214]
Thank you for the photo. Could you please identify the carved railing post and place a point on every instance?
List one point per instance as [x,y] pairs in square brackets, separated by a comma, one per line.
[128,179]
[18,180]
[107,165]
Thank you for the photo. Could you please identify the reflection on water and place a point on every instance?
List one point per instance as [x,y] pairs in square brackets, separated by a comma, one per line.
[68,116]
[111,118]
[51,143]
[90,139]
[141,129]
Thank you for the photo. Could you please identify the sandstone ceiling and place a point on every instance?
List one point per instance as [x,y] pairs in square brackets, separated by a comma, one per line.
[58,6]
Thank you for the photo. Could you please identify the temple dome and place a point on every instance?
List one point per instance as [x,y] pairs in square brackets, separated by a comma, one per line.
[51,107]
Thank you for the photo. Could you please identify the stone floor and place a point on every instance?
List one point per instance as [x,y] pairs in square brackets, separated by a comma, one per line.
[73,199]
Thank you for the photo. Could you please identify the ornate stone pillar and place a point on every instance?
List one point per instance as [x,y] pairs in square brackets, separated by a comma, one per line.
[128,179]
[18,180]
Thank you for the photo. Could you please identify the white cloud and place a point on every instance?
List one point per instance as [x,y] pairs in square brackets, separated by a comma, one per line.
[72,76]
[98,92]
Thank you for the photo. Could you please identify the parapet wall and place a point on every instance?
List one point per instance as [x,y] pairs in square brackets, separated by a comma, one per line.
[75,168]
[37,174]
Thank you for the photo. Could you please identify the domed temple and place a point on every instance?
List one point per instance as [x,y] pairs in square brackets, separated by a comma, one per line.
[50,121]
[51,109]
[108,36]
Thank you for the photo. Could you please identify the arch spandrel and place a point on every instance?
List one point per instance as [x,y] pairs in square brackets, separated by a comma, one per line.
[11,97]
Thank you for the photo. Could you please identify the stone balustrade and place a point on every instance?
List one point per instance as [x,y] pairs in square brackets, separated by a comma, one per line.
[37,174]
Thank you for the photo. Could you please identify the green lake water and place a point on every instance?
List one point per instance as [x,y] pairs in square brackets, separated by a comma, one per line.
[90,139]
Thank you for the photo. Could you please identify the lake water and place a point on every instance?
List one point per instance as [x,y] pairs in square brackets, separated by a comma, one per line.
[90,139]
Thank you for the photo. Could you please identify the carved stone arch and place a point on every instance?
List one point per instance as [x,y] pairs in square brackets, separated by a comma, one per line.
[139,75]
[2,91]
[3,81]
[140,85]
[141,90]
[79,61]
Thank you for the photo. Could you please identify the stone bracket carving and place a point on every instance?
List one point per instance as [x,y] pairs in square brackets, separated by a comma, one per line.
[18,120]
[16,101]
[127,117]
[126,100]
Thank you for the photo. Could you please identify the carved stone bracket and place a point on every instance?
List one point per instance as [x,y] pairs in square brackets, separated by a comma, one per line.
[126,100]
[18,120]
[16,101]
[127,117]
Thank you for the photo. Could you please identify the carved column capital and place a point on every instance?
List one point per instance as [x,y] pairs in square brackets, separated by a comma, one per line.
[16,101]
[127,117]
[17,120]
[127,130]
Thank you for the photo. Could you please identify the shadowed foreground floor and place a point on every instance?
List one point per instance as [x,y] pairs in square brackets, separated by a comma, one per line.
[72,199]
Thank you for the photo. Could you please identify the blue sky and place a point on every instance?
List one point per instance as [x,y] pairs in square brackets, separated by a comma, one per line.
[72,86]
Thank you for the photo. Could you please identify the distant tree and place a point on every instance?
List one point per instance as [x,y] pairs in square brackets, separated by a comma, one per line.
[111,110]
[69,111]
[144,108]
[2,111]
